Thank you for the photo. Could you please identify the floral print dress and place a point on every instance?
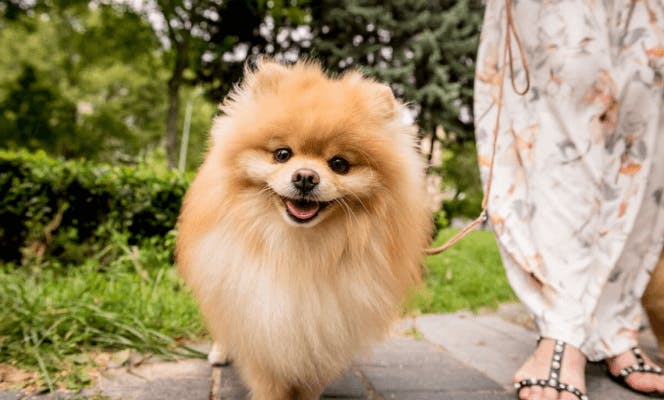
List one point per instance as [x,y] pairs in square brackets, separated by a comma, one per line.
[577,199]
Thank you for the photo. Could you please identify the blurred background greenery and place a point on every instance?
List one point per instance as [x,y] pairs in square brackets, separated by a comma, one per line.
[105,107]
[120,81]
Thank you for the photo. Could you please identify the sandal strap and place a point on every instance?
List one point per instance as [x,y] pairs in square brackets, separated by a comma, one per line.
[554,375]
[639,358]
[544,383]
[557,361]
[640,366]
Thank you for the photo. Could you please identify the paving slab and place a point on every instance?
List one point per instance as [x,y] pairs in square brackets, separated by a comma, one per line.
[231,386]
[349,386]
[57,395]
[450,396]
[400,368]
[405,365]
[496,346]
[183,379]
[487,343]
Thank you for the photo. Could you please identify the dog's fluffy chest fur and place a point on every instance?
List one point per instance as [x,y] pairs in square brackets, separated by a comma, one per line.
[280,316]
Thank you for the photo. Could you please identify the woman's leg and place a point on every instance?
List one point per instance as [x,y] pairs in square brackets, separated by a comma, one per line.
[548,181]
[640,141]
[566,190]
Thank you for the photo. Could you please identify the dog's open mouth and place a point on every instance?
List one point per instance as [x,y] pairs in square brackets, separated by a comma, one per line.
[300,210]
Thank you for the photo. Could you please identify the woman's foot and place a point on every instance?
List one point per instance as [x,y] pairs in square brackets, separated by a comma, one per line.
[639,381]
[538,366]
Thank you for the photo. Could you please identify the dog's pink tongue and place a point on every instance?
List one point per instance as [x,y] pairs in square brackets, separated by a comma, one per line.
[302,210]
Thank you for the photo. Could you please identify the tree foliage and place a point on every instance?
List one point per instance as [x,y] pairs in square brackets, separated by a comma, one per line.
[37,116]
[207,42]
[126,74]
[95,63]
[424,49]
[110,79]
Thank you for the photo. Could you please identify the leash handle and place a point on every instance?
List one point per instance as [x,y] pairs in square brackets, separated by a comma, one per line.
[510,31]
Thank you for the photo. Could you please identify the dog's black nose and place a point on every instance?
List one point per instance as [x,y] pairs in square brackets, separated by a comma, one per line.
[305,179]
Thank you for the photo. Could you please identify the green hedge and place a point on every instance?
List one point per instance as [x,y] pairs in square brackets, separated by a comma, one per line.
[67,211]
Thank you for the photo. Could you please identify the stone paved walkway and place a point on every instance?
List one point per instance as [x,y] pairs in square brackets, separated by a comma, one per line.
[449,356]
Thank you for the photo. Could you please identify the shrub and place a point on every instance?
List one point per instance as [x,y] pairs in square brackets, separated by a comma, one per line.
[460,174]
[69,210]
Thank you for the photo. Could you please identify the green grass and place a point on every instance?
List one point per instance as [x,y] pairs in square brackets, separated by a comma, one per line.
[469,275]
[51,316]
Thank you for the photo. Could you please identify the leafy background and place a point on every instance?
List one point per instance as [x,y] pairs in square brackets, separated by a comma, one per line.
[110,80]
[95,100]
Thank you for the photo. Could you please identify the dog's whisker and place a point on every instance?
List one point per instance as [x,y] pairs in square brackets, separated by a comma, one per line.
[345,211]
[349,211]
[359,200]
[349,216]
[266,189]
[352,212]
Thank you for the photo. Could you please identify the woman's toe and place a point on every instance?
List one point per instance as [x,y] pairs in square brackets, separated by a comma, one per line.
[644,382]
[524,394]
[567,396]
[535,393]
[550,394]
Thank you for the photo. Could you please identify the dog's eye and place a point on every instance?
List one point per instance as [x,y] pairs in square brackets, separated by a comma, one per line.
[283,154]
[339,165]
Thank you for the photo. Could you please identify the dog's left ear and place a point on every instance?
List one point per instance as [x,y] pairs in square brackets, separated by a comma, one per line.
[385,100]
[381,95]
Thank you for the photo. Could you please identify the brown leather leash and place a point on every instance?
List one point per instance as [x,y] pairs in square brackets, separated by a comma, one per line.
[510,31]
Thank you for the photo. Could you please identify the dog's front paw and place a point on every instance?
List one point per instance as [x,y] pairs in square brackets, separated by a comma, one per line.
[218,356]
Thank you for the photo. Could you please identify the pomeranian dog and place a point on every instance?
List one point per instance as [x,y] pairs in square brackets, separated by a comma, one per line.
[653,302]
[305,226]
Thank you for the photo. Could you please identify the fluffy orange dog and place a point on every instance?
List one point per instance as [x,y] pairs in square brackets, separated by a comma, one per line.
[304,227]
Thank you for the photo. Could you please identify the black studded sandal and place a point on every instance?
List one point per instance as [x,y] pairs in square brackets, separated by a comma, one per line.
[640,366]
[554,375]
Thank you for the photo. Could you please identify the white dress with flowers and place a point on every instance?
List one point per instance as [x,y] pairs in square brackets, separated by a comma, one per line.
[577,202]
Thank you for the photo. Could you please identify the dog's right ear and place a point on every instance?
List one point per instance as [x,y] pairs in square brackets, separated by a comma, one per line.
[385,100]
[222,127]
[380,95]
[264,75]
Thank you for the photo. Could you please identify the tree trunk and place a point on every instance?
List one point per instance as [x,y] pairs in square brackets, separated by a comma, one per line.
[432,142]
[172,118]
